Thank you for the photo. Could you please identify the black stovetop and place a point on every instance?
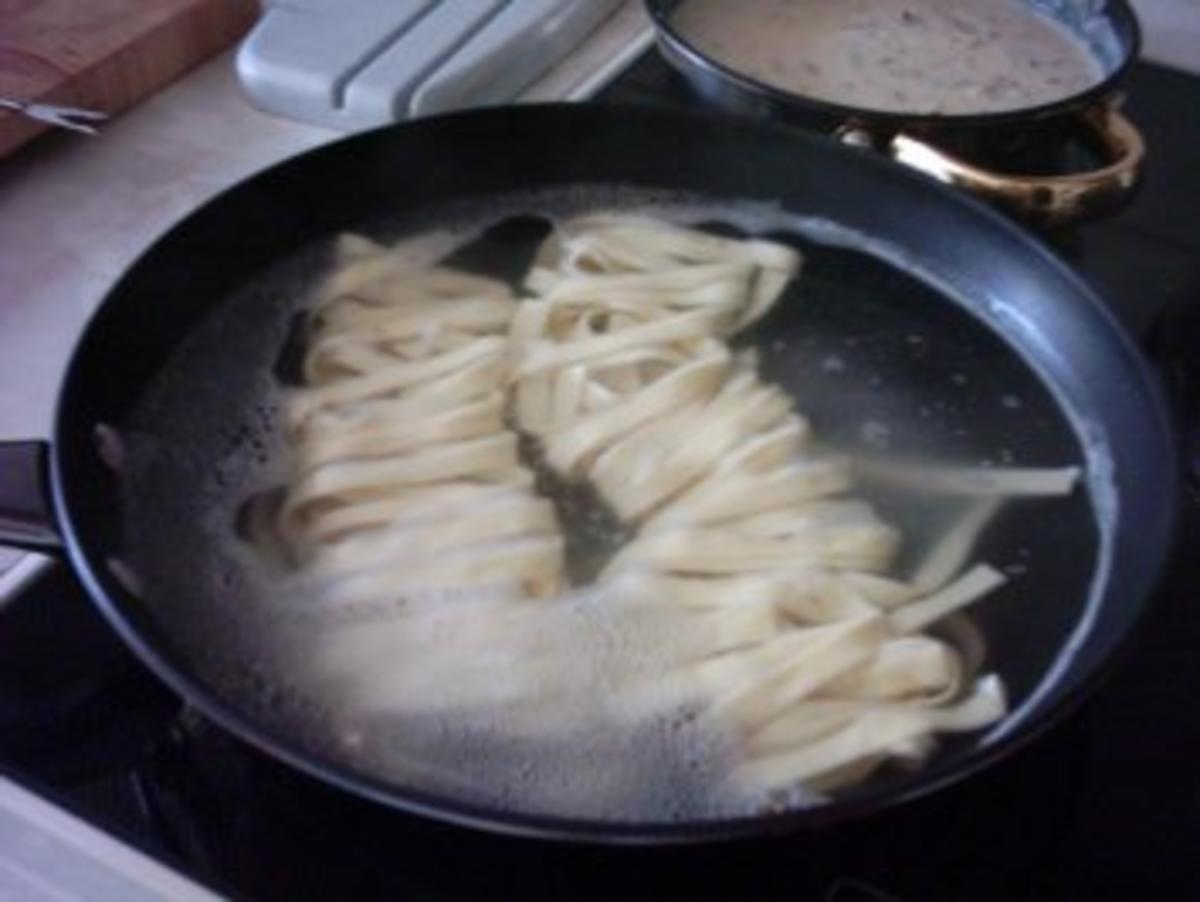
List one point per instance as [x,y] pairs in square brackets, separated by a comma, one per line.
[1106,805]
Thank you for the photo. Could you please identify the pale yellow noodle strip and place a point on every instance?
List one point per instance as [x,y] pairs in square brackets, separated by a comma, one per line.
[668,289]
[568,388]
[740,493]
[719,291]
[404,506]
[948,556]
[352,318]
[970,481]
[803,519]
[391,379]
[969,587]
[964,634]
[656,467]
[868,546]
[472,382]
[629,244]
[397,543]
[541,355]
[768,688]
[941,563]
[535,405]
[723,624]
[467,458]
[699,594]
[818,596]
[621,473]
[472,420]
[389,279]
[880,590]
[643,243]
[566,448]
[875,731]
[767,450]
[529,566]
[911,666]
[406,479]
[349,246]
[801,725]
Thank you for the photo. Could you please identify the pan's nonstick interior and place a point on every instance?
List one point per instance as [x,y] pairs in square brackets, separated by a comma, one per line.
[881,363]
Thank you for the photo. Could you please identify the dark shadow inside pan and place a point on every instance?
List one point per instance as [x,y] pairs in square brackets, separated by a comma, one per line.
[502,251]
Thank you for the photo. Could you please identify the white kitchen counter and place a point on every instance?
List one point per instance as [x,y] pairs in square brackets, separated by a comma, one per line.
[75,211]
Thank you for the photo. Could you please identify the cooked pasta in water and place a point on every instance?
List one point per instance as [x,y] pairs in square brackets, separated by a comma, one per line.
[765,591]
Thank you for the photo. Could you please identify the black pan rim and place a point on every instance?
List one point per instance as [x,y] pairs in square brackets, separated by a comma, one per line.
[676,47]
[113,600]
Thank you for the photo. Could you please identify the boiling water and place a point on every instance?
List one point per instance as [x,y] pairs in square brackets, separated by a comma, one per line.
[379,693]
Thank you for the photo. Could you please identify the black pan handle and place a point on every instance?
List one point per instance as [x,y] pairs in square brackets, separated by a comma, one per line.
[26,520]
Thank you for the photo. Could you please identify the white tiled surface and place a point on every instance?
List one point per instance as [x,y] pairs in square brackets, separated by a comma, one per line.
[1172,30]
[49,855]
[17,569]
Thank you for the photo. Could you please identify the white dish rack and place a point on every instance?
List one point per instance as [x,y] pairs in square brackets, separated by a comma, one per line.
[355,64]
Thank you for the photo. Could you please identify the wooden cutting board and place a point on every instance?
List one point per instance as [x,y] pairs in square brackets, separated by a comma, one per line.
[105,54]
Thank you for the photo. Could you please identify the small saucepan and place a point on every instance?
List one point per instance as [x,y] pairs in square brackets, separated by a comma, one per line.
[975,151]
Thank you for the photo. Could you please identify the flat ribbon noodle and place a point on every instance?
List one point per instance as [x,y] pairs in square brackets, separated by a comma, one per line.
[399,440]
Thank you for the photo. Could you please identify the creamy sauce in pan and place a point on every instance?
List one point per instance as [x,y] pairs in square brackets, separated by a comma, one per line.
[910,56]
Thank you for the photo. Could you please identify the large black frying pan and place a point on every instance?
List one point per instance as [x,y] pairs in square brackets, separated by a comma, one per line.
[996,351]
